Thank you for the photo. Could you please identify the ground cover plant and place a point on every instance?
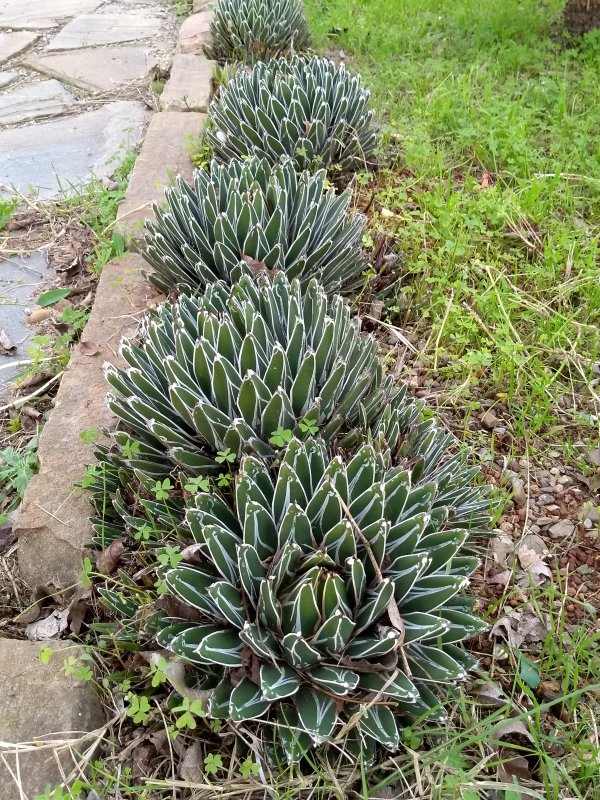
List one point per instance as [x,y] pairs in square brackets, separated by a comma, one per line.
[313,111]
[248,217]
[252,30]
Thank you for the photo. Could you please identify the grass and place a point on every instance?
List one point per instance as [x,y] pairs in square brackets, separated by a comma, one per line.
[492,196]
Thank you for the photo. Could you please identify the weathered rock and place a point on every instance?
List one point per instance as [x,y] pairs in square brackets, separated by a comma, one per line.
[594,456]
[562,529]
[165,154]
[43,99]
[41,14]
[190,84]
[95,29]
[519,493]
[96,69]
[11,44]
[38,704]
[6,78]
[53,526]
[195,32]
[202,5]
[70,149]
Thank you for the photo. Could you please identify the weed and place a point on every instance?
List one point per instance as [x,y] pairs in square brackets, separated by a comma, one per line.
[17,467]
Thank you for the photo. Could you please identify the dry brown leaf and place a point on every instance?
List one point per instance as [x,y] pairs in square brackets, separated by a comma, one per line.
[512,768]
[89,348]
[39,596]
[7,537]
[109,559]
[7,348]
[520,627]
[191,766]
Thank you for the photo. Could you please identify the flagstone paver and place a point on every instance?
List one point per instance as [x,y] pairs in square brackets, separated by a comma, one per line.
[11,44]
[68,151]
[98,29]
[41,14]
[43,99]
[97,69]
[6,78]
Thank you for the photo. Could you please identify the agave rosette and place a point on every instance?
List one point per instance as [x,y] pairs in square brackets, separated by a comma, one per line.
[330,600]
[249,30]
[307,109]
[227,370]
[239,218]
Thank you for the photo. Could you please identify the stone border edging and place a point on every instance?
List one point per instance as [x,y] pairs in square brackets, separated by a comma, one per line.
[53,525]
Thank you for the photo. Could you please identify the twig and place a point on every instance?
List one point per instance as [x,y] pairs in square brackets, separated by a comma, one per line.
[22,400]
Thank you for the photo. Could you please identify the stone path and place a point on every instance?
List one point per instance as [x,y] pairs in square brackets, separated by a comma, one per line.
[74,98]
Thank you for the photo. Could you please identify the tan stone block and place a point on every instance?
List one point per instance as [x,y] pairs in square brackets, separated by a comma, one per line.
[165,154]
[195,32]
[38,703]
[189,87]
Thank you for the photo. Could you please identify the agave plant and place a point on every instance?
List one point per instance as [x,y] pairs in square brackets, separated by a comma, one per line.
[249,30]
[239,367]
[329,601]
[310,110]
[249,216]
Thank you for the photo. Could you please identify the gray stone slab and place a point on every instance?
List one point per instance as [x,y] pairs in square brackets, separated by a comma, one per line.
[11,44]
[43,99]
[61,155]
[6,78]
[39,705]
[20,278]
[189,86]
[53,524]
[96,29]
[96,69]
[165,154]
[41,14]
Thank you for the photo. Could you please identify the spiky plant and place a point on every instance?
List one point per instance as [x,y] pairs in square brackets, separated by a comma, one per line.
[329,601]
[250,30]
[233,369]
[249,216]
[310,110]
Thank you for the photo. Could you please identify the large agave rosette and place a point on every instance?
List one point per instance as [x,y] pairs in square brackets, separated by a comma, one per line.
[329,599]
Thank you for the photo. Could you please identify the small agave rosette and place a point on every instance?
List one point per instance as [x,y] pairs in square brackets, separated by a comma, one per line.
[330,601]
[247,217]
[227,370]
[249,30]
[308,109]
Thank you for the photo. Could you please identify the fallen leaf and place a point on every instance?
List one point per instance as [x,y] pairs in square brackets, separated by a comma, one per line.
[520,627]
[78,608]
[141,757]
[39,596]
[89,348]
[490,694]
[513,730]
[7,537]
[532,562]
[191,766]
[7,348]
[22,222]
[511,767]
[52,296]
[48,628]
[108,560]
